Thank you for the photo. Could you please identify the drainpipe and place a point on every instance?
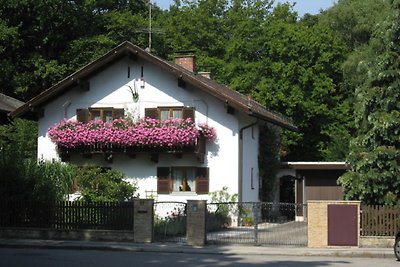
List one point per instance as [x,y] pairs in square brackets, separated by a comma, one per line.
[240,188]
[66,106]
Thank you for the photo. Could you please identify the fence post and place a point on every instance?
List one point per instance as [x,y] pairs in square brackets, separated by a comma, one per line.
[196,222]
[256,216]
[143,220]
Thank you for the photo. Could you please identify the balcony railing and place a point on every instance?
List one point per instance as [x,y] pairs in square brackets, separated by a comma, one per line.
[110,149]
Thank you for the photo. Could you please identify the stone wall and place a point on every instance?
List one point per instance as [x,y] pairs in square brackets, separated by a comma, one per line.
[142,229]
[58,234]
[376,241]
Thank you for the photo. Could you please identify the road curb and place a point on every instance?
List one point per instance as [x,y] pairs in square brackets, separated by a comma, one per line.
[218,250]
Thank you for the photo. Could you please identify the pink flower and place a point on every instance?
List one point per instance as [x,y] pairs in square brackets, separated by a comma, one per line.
[145,132]
[208,132]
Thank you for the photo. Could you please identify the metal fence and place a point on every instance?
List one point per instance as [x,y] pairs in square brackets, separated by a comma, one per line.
[68,215]
[379,220]
[170,222]
[257,223]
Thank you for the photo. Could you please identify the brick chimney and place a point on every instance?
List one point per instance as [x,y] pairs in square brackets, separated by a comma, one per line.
[186,59]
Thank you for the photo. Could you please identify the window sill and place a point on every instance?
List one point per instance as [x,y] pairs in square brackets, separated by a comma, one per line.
[180,193]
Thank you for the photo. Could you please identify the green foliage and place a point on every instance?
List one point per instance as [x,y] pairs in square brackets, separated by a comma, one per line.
[225,208]
[223,196]
[97,184]
[306,68]
[24,178]
[269,162]
[19,138]
[29,180]
[375,151]
[51,180]
[355,20]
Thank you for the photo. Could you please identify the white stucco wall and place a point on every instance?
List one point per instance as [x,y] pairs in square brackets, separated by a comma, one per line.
[250,173]
[108,89]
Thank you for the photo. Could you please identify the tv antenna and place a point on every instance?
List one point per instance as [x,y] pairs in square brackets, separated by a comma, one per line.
[150,30]
[150,4]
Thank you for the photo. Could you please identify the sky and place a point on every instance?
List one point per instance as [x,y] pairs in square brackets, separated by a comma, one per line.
[302,6]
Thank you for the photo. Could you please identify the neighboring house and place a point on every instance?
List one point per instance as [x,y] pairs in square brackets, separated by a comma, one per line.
[7,104]
[130,81]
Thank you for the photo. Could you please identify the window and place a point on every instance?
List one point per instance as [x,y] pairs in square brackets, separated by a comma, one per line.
[182,179]
[104,114]
[165,113]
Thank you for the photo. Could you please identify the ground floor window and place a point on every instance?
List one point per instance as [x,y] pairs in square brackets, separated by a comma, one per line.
[182,179]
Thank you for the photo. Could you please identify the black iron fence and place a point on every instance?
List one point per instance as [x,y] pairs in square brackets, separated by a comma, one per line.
[257,223]
[68,215]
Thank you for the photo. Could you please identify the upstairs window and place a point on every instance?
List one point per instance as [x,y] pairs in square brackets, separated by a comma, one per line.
[165,113]
[104,114]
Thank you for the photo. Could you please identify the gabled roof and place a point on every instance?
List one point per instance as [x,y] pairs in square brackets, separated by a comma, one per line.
[228,96]
[8,104]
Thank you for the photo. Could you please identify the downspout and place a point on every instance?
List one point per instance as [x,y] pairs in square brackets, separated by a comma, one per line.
[66,106]
[240,188]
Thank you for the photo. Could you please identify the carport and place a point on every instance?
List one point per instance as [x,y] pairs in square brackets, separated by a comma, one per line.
[311,181]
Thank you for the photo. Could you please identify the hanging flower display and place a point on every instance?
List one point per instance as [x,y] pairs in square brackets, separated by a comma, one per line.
[208,132]
[144,133]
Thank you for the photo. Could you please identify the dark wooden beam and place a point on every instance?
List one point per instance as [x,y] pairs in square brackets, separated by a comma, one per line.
[84,85]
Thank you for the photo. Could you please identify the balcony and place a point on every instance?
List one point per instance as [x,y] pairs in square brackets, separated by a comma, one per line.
[109,150]
[145,136]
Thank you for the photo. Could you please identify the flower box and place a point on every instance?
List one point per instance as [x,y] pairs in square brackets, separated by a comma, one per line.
[175,136]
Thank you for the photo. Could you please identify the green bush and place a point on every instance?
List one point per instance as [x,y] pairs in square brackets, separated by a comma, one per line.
[225,207]
[99,184]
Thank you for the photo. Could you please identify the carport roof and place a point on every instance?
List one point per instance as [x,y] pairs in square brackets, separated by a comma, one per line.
[315,165]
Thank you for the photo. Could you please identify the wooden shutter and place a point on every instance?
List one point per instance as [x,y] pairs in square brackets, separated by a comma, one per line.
[151,113]
[202,180]
[188,113]
[163,180]
[82,115]
[118,113]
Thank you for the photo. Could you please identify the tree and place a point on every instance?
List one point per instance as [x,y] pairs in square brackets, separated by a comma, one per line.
[294,68]
[375,151]
[199,26]
[22,176]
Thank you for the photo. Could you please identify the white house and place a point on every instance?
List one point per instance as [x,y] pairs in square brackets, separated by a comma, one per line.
[130,81]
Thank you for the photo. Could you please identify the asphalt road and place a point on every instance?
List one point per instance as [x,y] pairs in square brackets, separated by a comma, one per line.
[76,258]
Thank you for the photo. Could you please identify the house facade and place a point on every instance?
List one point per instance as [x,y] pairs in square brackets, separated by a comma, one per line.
[130,83]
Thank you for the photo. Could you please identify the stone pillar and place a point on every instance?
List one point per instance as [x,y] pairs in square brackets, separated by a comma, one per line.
[196,222]
[143,220]
[317,224]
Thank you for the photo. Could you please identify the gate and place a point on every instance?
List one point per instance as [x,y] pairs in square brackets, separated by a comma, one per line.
[170,222]
[342,225]
[257,223]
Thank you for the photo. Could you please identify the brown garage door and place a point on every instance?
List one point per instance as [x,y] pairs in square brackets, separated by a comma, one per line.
[342,225]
